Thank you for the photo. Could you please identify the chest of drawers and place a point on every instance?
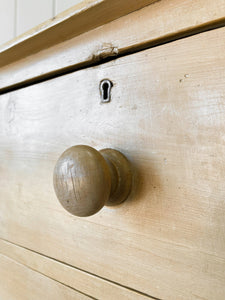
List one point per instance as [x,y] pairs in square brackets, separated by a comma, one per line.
[165,114]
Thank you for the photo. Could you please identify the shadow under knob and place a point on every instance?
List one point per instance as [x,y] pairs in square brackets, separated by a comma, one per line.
[86,179]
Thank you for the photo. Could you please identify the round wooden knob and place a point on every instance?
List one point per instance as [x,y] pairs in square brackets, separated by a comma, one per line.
[86,179]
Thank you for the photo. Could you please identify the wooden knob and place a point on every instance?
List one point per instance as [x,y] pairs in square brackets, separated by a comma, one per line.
[86,179]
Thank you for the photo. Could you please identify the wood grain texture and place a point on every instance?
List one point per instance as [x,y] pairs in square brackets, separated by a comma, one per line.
[164,20]
[91,285]
[20,283]
[86,179]
[82,180]
[167,116]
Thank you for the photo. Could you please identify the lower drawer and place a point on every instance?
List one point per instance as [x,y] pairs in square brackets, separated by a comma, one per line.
[167,116]
[76,279]
[21,283]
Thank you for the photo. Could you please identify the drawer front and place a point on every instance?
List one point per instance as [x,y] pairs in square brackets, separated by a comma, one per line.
[64,275]
[21,283]
[167,116]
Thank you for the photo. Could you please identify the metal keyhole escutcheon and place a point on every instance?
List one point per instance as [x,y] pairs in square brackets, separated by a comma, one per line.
[105,90]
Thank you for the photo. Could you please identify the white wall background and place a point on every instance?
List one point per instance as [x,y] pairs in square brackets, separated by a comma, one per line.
[18,16]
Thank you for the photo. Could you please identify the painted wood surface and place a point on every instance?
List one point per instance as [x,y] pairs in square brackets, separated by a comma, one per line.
[7,20]
[43,53]
[19,16]
[62,5]
[80,18]
[77,279]
[167,116]
[32,13]
[20,283]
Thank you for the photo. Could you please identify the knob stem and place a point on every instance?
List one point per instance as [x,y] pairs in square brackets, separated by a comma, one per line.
[121,176]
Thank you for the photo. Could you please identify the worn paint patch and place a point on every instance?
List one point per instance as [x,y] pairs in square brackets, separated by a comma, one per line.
[106,50]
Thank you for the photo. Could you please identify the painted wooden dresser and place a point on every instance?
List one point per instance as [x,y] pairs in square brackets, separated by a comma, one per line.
[164,62]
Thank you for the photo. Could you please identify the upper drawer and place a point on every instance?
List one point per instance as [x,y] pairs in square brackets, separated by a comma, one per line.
[69,41]
[167,116]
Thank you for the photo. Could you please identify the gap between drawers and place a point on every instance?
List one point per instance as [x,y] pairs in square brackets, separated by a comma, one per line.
[111,286]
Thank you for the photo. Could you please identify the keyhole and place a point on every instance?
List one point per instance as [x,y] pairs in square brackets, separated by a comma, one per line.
[105,90]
